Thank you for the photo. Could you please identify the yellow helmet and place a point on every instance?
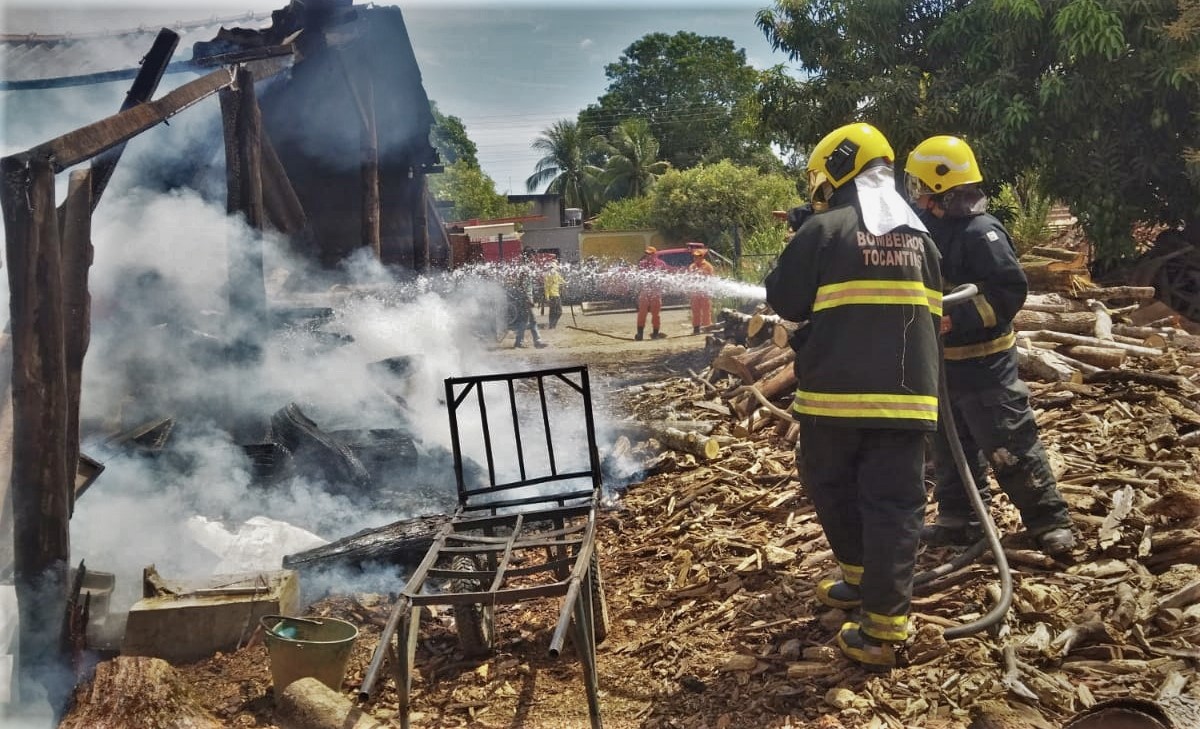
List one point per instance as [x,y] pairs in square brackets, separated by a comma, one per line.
[843,153]
[939,164]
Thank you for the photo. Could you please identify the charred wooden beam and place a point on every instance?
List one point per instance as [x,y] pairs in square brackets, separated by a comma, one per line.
[149,75]
[402,542]
[41,481]
[77,256]
[370,169]
[363,92]
[283,207]
[88,141]
[242,123]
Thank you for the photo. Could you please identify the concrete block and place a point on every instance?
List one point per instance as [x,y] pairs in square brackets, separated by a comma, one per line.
[215,614]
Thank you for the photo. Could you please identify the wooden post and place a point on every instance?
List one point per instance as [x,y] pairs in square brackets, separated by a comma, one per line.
[41,480]
[143,88]
[362,90]
[420,227]
[77,256]
[370,167]
[243,176]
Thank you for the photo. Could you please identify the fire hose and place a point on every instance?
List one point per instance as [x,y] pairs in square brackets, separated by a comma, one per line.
[991,537]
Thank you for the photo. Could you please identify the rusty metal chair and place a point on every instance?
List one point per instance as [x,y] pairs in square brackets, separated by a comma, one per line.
[525,530]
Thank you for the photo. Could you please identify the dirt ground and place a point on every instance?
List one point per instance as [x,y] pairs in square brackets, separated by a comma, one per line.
[709,570]
[601,339]
[517,686]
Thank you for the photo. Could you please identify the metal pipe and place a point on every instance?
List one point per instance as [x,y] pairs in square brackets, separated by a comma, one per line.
[564,617]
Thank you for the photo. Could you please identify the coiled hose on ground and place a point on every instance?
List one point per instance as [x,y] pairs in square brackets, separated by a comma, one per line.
[991,539]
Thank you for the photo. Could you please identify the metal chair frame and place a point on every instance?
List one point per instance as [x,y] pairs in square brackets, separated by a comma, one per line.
[490,531]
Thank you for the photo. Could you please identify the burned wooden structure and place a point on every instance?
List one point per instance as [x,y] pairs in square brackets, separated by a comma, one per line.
[346,143]
[290,164]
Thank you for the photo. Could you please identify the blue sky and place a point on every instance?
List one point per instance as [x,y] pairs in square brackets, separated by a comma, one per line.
[508,69]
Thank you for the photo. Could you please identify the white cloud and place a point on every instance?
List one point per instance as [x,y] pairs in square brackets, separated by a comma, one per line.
[586,43]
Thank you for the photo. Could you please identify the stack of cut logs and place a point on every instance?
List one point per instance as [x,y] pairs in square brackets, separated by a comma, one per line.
[1094,335]
[753,351]
[1077,339]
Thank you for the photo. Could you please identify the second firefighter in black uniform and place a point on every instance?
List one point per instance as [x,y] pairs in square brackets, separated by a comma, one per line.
[864,275]
[991,404]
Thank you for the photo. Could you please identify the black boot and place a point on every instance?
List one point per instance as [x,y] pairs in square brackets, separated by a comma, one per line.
[658,335]
[638,336]
[871,654]
[838,594]
[695,330]
[951,535]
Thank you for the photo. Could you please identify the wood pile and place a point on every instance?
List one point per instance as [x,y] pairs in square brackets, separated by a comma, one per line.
[1055,269]
[720,556]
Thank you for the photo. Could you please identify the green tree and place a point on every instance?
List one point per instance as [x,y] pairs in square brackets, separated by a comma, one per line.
[564,166]
[696,92]
[473,193]
[449,136]
[704,203]
[631,213]
[632,163]
[1099,95]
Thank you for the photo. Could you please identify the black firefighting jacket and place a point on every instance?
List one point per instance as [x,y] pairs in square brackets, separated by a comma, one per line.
[873,303]
[979,346]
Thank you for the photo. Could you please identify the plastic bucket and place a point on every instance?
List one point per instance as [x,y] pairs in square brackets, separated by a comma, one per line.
[302,647]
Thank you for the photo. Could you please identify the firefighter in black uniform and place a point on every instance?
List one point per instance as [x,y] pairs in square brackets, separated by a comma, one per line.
[864,275]
[991,404]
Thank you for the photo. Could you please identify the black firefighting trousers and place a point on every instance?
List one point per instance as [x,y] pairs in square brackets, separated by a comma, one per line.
[997,425]
[869,493]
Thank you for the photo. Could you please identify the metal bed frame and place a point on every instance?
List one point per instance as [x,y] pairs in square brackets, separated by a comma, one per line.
[494,532]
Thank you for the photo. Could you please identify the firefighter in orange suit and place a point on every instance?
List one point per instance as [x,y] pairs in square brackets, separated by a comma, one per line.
[650,271]
[701,302]
[865,276]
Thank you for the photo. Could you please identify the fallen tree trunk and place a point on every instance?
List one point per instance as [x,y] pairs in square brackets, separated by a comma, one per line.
[1109,293]
[727,360]
[779,382]
[1104,357]
[1046,365]
[1157,379]
[399,543]
[1176,337]
[1056,303]
[783,357]
[1047,335]
[735,324]
[769,327]
[1058,254]
[701,446]
[1081,322]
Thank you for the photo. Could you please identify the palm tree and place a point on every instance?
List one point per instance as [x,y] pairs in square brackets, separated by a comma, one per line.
[633,163]
[563,165]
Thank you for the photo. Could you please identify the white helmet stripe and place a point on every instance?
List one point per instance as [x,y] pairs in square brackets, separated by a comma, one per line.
[959,167]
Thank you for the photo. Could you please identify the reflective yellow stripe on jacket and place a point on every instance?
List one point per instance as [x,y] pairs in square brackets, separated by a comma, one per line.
[866,405]
[969,351]
[871,291]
